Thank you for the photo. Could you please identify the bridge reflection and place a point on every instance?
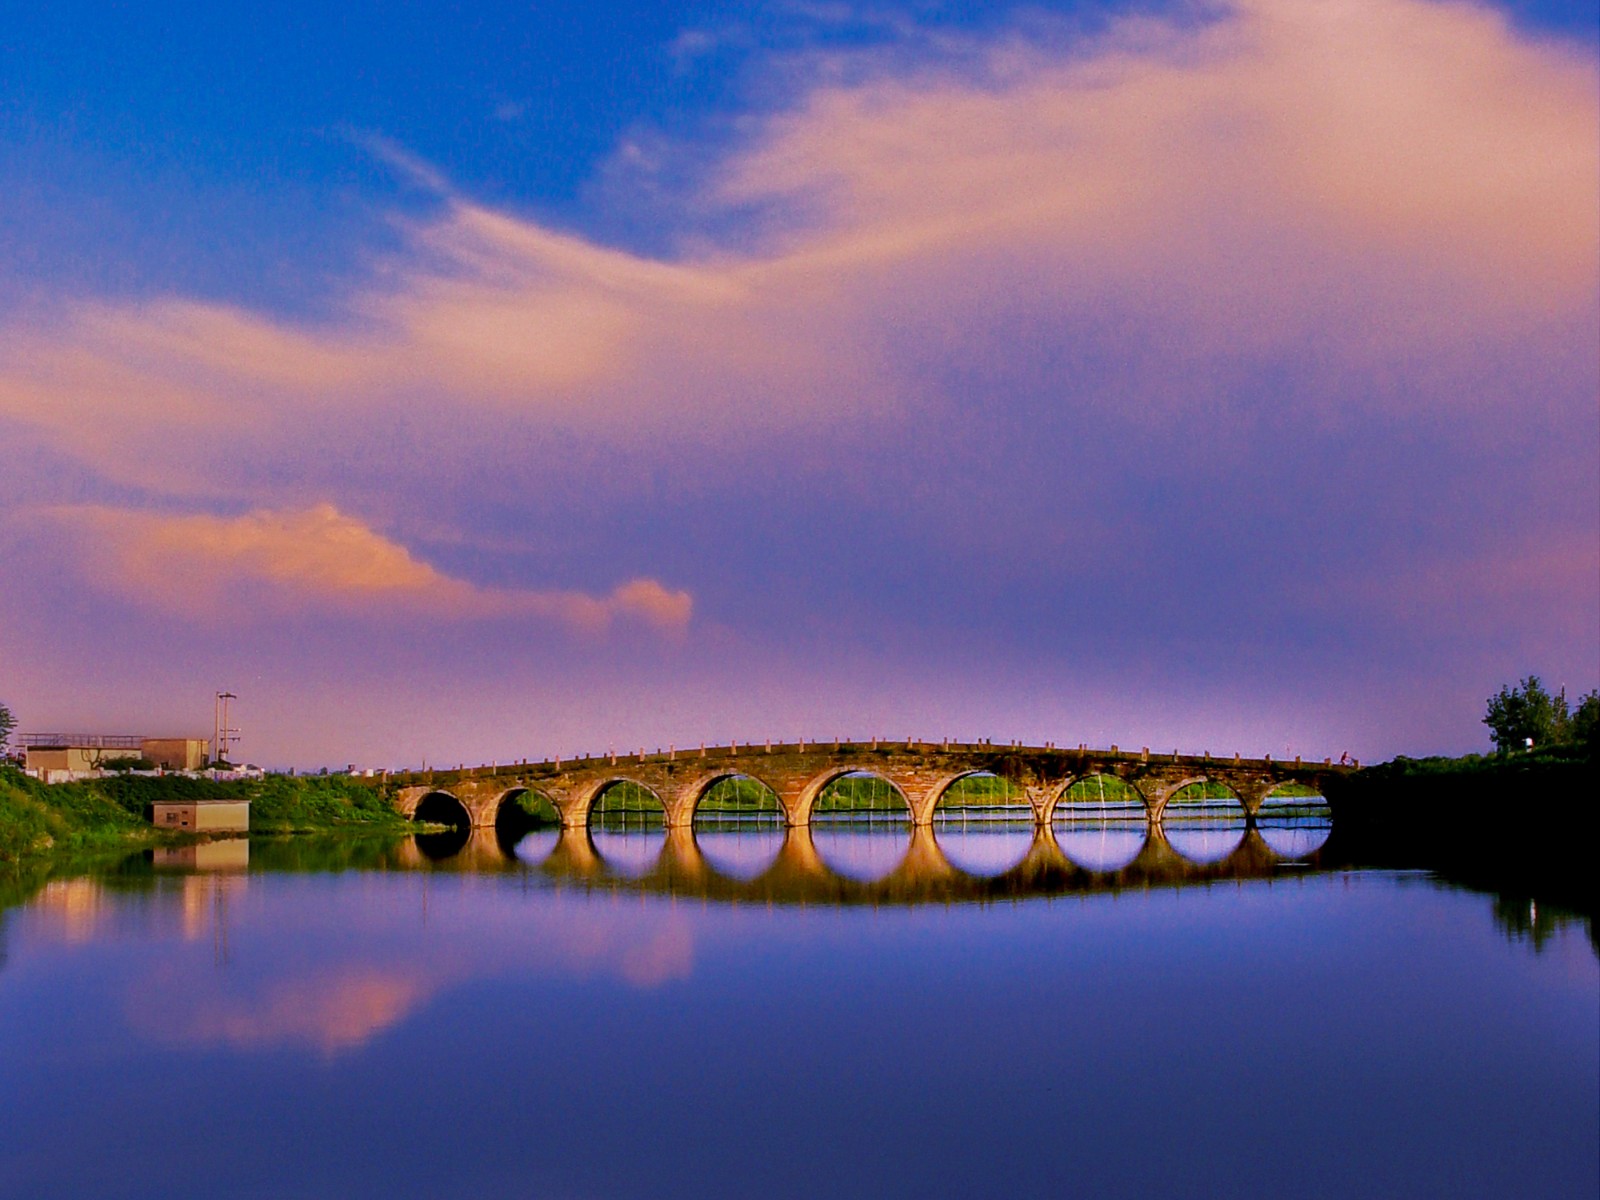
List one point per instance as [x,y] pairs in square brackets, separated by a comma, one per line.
[907,865]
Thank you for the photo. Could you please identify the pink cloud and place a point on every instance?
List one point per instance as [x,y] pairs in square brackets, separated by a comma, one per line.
[332,1014]
[269,561]
[1385,178]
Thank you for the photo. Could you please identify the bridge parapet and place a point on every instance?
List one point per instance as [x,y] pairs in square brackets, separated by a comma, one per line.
[797,774]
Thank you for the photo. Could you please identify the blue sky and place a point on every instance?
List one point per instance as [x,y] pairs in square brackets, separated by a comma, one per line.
[1070,372]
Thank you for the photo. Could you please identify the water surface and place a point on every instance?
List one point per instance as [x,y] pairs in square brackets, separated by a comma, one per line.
[860,1012]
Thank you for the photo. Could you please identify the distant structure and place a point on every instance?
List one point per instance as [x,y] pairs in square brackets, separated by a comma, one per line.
[57,757]
[211,816]
[224,733]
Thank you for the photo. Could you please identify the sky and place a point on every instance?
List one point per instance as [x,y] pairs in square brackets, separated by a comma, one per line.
[469,384]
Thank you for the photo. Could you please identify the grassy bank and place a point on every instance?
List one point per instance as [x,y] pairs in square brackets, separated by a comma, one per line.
[66,818]
[104,815]
[1519,824]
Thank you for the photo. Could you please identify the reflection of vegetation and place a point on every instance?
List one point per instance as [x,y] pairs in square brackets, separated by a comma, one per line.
[356,850]
[1518,825]
[739,795]
[860,793]
[1523,919]
[48,829]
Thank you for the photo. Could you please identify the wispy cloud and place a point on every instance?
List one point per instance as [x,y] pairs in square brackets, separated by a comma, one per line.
[1381,179]
[318,559]
[1017,278]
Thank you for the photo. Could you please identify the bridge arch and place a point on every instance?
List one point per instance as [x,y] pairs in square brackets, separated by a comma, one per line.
[1100,822]
[985,822]
[1204,819]
[522,808]
[590,800]
[1074,793]
[627,801]
[729,792]
[1197,793]
[1294,819]
[442,808]
[972,790]
[820,795]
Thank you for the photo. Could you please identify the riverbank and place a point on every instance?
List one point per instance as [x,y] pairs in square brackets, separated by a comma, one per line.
[43,827]
[1518,824]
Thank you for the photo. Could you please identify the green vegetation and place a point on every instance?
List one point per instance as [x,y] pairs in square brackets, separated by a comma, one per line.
[1100,791]
[531,810]
[1528,716]
[983,791]
[626,796]
[39,820]
[626,803]
[303,803]
[860,793]
[739,794]
[67,817]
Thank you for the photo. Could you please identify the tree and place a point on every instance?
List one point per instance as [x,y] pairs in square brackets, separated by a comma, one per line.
[1585,728]
[1527,712]
[7,724]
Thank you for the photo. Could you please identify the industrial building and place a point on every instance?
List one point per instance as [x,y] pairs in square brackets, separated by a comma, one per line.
[56,756]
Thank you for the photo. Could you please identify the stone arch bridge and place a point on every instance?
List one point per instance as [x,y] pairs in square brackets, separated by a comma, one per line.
[798,773]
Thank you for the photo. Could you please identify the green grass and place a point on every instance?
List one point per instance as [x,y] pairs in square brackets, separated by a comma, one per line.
[304,803]
[739,794]
[859,793]
[35,819]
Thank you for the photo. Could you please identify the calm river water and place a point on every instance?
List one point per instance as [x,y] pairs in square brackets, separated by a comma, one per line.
[858,1012]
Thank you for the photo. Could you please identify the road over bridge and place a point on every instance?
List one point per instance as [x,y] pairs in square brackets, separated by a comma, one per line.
[798,773]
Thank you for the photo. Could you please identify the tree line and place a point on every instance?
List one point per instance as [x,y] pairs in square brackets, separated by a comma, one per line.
[1528,716]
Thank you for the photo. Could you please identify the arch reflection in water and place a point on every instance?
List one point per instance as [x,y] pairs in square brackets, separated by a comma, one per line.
[1204,821]
[533,848]
[442,809]
[1294,820]
[445,844]
[1101,823]
[861,850]
[862,864]
[740,851]
[984,823]
[985,847]
[1101,845]
[627,827]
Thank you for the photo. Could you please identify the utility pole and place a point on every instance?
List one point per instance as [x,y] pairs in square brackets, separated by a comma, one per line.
[223,733]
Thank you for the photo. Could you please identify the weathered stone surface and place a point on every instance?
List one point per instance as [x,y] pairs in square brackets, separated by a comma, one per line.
[798,773]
